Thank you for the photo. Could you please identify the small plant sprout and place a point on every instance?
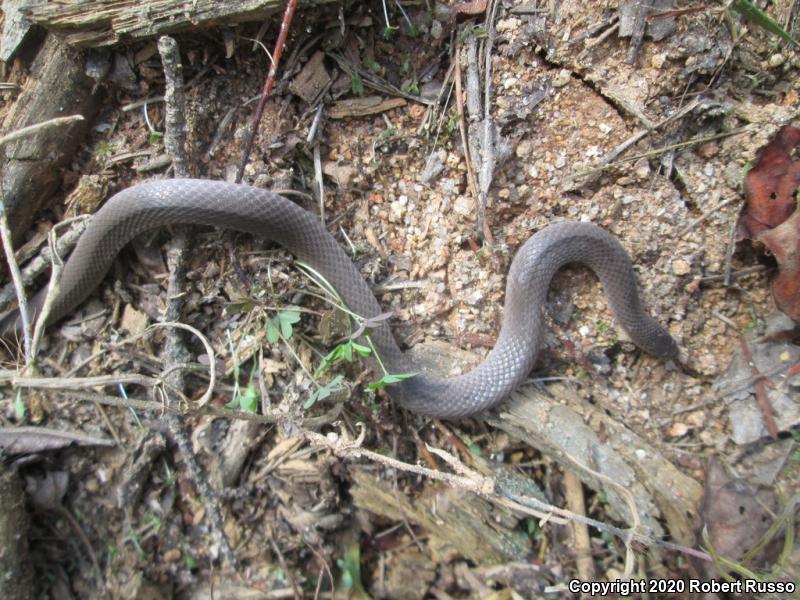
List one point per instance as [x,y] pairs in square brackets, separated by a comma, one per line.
[248,399]
[388,29]
[350,348]
[356,84]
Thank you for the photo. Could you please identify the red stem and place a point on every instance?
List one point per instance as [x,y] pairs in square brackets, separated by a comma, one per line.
[268,84]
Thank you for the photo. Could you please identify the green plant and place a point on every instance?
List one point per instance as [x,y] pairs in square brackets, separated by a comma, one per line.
[476,30]
[411,87]
[249,399]
[350,565]
[363,326]
[453,122]
[103,149]
[281,325]
[752,13]
[356,84]
[323,391]
[19,405]
[343,352]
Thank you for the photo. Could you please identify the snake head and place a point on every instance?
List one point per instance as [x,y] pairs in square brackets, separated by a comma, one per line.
[662,344]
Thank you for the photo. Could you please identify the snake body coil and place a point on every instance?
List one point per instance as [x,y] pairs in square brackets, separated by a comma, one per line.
[243,208]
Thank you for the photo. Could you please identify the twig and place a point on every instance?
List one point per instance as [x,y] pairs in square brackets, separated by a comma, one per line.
[43,259]
[162,408]
[282,562]
[212,369]
[78,383]
[759,385]
[16,277]
[319,185]
[5,232]
[175,137]
[462,127]
[726,281]
[656,151]
[31,129]
[73,523]
[705,215]
[325,568]
[53,289]
[488,156]
[583,547]
[268,85]
[174,348]
[345,447]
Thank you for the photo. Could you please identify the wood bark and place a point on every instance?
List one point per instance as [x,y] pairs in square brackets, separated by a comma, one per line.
[563,427]
[57,87]
[16,573]
[94,23]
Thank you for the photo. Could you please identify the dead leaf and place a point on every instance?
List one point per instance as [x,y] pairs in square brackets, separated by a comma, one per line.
[770,216]
[736,515]
[133,321]
[784,243]
[368,105]
[30,440]
[770,185]
[474,7]
[312,79]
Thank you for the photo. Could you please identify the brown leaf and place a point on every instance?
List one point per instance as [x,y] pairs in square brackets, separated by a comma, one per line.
[770,216]
[736,515]
[770,185]
[784,243]
[474,7]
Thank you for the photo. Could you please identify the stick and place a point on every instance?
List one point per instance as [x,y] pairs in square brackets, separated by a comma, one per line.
[268,85]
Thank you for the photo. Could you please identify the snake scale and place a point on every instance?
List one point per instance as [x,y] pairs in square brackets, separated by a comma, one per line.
[239,207]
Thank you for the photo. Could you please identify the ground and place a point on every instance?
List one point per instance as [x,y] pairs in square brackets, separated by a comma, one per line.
[567,92]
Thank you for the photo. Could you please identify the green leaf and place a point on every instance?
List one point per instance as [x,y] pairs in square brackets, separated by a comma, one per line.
[356,85]
[474,449]
[343,351]
[362,350]
[287,318]
[323,392]
[249,400]
[19,405]
[273,333]
[411,87]
[388,31]
[750,12]
[350,564]
[281,325]
[155,137]
[389,379]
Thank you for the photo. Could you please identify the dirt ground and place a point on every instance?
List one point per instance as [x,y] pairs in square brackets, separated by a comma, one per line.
[651,142]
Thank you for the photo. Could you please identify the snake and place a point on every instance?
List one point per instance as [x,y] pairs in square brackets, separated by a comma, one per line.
[263,213]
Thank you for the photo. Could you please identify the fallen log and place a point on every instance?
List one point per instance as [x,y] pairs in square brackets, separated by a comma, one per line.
[56,87]
[94,23]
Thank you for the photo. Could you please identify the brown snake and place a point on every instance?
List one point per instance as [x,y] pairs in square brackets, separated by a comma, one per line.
[243,208]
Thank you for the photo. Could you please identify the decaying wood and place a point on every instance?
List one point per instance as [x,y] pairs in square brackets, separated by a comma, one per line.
[16,574]
[563,427]
[93,23]
[470,525]
[56,87]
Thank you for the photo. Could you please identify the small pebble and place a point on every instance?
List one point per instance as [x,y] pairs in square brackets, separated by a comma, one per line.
[776,60]
[680,267]
[678,430]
